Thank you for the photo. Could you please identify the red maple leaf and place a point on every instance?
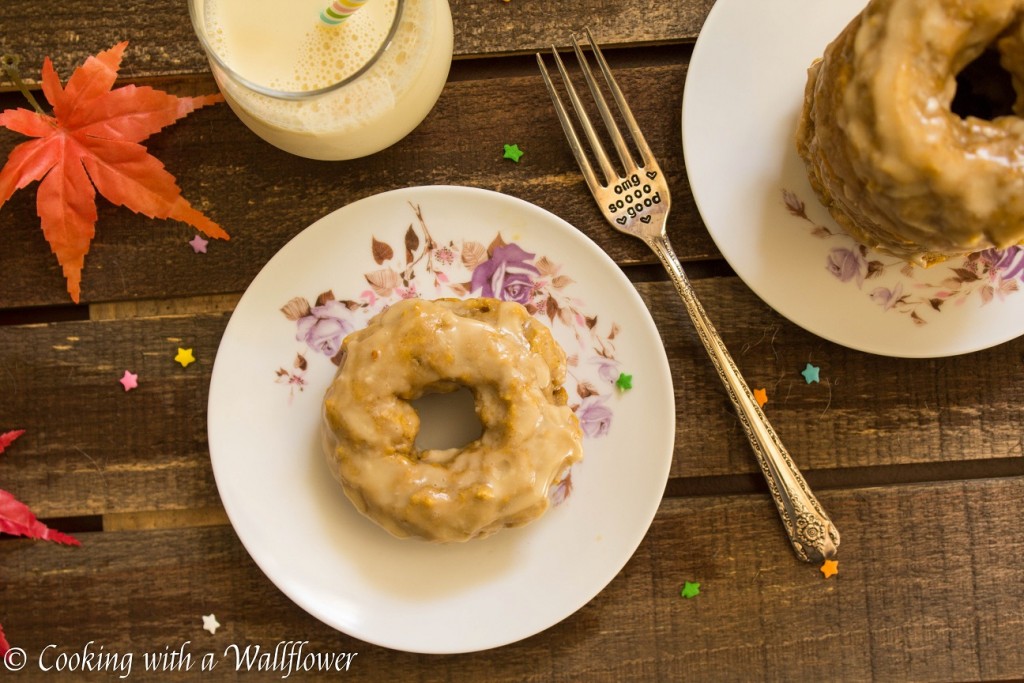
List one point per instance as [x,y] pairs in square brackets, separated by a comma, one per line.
[93,139]
[18,520]
[15,517]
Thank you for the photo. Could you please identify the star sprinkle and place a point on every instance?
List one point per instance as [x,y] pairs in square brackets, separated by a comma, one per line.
[185,357]
[513,152]
[830,568]
[691,589]
[761,396]
[810,373]
[210,623]
[198,244]
[624,382]
[129,381]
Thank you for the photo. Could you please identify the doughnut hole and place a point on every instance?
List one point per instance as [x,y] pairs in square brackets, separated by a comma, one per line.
[984,89]
[447,419]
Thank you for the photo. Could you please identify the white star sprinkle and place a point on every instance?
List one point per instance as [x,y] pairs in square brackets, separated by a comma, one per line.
[210,623]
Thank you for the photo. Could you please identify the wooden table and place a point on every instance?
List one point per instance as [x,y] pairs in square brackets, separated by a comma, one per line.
[920,462]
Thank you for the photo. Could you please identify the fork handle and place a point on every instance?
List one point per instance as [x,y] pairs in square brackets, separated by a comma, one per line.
[810,530]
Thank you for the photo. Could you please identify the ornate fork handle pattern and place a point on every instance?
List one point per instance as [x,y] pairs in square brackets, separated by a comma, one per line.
[810,530]
[636,201]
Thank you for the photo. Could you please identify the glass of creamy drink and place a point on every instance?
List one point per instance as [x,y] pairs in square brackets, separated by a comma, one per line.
[323,90]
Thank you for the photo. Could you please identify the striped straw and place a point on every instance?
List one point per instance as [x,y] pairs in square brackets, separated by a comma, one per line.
[339,10]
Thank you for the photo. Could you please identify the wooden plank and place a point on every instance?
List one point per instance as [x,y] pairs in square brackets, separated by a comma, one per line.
[867,410]
[930,583]
[264,197]
[91,448]
[150,308]
[165,519]
[162,42]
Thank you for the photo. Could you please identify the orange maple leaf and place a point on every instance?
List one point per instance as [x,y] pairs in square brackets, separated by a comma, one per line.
[93,139]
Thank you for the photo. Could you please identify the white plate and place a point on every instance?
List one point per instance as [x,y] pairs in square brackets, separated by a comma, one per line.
[744,92]
[264,414]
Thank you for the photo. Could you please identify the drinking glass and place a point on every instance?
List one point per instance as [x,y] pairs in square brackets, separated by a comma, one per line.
[326,91]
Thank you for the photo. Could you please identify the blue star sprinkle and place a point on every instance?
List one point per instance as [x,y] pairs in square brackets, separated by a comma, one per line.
[810,373]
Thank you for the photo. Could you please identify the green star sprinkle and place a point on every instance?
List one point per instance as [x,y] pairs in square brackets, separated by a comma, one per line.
[810,373]
[691,589]
[624,382]
[513,152]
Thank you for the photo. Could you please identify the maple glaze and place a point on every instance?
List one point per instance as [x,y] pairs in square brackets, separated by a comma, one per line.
[895,166]
[515,370]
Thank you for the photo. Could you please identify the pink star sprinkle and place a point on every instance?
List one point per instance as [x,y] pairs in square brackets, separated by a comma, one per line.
[199,244]
[130,380]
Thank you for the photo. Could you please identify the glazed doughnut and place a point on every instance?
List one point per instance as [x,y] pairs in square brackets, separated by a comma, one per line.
[884,152]
[515,370]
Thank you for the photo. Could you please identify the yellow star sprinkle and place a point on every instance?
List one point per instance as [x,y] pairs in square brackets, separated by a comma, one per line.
[761,396]
[830,568]
[185,357]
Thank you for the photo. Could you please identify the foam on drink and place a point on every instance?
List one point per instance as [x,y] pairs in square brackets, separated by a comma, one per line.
[285,47]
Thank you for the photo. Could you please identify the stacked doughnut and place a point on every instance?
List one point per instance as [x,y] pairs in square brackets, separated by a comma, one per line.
[515,370]
[883,150]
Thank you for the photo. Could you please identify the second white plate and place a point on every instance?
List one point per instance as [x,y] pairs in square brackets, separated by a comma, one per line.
[743,96]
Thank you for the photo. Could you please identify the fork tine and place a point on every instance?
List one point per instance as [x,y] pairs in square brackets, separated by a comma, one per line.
[620,100]
[602,105]
[588,128]
[568,129]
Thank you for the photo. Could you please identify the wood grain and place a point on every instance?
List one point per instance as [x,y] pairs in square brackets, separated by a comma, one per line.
[92,448]
[930,581]
[264,197]
[867,410]
[163,44]
[920,463]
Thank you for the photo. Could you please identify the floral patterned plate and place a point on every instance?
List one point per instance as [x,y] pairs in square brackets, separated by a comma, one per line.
[744,92]
[279,353]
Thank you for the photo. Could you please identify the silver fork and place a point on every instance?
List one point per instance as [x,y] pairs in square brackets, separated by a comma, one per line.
[637,202]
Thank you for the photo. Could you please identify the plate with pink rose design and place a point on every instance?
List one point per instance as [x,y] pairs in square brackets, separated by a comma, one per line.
[279,353]
[743,96]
